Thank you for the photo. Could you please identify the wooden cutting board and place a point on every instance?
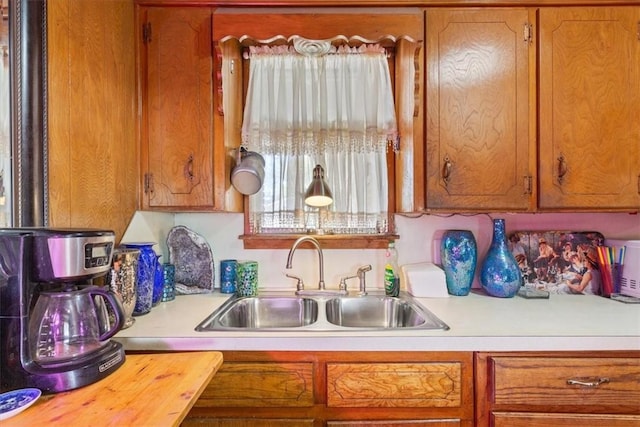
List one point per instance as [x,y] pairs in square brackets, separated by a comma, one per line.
[147,390]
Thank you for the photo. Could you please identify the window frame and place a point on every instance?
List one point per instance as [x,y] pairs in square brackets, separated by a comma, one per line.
[378,26]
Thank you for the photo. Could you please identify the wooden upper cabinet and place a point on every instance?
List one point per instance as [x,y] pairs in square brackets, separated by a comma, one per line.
[589,108]
[181,169]
[480,150]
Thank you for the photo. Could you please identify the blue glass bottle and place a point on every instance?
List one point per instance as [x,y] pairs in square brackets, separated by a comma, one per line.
[146,275]
[459,255]
[500,275]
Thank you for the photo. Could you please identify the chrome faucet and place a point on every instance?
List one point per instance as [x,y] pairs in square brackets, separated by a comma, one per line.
[315,243]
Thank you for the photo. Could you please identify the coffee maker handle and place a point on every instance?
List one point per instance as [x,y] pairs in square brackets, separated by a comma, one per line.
[118,312]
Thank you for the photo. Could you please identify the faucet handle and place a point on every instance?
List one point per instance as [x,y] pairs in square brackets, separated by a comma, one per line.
[343,282]
[299,283]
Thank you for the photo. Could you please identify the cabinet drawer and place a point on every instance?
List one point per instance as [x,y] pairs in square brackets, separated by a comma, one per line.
[396,423]
[544,381]
[246,422]
[394,384]
[239,384]
[518,419]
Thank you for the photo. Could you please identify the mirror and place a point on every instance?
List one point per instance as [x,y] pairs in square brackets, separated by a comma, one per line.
[23,112]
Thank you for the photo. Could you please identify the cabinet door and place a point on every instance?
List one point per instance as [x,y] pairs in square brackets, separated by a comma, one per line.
[177,107]
[589,109]
[260,384]
[480,153]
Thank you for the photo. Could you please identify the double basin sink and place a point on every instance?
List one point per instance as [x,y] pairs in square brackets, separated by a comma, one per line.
[278,312]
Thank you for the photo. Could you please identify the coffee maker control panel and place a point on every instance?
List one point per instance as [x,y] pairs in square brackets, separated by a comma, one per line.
[97,254]
[71,254]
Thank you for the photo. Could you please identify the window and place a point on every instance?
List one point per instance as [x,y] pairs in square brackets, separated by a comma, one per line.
[317,104]
[280,218]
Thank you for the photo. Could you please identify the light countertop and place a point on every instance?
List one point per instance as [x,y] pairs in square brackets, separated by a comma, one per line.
[477,323]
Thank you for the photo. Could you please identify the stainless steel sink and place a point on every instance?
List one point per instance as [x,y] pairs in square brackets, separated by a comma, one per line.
[380,312]
[269,312]
[262,312]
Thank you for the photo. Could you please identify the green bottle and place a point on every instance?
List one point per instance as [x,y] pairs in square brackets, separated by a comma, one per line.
[391,274]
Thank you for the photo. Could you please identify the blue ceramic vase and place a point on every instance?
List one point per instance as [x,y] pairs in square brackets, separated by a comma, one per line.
[147,263]
[459,255]
[500,275]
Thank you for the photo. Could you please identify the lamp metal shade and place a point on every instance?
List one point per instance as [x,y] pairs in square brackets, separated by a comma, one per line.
[318,193]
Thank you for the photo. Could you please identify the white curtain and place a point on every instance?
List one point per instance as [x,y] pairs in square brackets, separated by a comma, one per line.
[333,109]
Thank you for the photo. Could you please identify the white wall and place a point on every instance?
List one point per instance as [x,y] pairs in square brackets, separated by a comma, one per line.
[419,241]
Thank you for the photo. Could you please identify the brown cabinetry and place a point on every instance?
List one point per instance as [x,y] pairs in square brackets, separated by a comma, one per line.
[487,68]
[480,146]
[589,87]
[527,108]
[558,389]
[91,116]
[339,388]
[181,165]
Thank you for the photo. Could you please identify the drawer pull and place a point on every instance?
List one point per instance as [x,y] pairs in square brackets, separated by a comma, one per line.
[595,383]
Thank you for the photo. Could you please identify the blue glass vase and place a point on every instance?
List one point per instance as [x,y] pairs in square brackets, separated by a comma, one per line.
[146,276]
[158,283]
[500,274]
[459,255]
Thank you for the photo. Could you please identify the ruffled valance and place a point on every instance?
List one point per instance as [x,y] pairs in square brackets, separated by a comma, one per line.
[299,103]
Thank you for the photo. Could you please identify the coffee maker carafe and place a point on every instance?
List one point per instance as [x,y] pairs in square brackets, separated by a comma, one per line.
[54,321]
[69,324]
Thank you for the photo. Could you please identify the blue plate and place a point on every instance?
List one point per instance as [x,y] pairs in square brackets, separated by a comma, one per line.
[15,401]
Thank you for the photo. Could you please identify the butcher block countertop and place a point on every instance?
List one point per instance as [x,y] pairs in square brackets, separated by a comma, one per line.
[147,390]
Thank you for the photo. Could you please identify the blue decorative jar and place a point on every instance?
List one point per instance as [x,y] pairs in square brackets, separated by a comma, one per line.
[500,274]
[147,263]
[158,283]
[459,255]
[168,279]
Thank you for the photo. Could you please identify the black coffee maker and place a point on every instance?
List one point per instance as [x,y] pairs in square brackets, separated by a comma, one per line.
[55,323]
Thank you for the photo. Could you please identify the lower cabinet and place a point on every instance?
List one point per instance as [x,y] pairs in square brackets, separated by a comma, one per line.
[338,389]
[558,389]
[433,389]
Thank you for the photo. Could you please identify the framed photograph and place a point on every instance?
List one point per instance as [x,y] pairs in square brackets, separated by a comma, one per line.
[560,262]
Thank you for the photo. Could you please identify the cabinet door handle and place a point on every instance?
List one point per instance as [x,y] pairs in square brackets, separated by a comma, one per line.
[188,168]
[594,383]
[148,183]
[562,168]
[446,169]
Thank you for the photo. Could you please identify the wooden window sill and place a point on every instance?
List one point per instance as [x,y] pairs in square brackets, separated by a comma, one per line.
[327,241]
